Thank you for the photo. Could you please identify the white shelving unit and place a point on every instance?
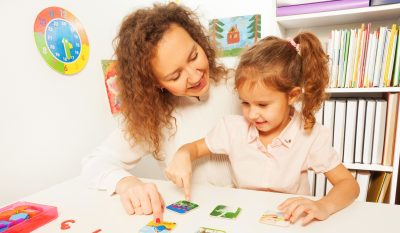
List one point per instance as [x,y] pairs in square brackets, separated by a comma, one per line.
[320,23]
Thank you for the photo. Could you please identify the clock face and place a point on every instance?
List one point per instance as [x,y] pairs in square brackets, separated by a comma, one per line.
[61,40]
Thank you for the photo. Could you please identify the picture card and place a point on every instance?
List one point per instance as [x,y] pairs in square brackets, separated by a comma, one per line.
[162,227]
[274,218]
[224,211]
[182,206]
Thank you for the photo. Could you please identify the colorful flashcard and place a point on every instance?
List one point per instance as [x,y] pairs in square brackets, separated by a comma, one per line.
[209,230]
[274,218]
[162,227]
[224,211]
[182,206]
[231,35]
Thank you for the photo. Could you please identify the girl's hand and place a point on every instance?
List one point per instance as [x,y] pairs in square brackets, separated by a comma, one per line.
[296,207]
[179,171]
[140,198]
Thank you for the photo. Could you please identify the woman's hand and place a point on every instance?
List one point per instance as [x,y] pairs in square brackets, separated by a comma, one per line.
[140,198]
[297,207]
[179,171]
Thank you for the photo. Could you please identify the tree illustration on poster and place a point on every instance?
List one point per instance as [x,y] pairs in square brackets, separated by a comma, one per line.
[61,40]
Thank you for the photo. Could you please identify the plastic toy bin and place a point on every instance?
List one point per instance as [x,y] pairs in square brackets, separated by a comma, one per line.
[24,217]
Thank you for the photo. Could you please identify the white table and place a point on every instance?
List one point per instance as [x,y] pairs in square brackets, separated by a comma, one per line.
[92,209]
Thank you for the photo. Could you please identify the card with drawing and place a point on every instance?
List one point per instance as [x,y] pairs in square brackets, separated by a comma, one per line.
[274,218]
[209,230]
[224,211]
[182,206]
[162,227]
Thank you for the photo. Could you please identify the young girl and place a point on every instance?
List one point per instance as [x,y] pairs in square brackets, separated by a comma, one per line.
[272,145]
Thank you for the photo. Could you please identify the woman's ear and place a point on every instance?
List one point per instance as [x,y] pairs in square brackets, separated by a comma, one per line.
[294,95]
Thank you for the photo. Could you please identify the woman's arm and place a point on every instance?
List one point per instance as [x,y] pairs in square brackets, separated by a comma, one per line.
[179,171]
[106,168]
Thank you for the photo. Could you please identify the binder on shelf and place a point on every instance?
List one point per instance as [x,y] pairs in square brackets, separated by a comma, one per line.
[311,180]
[329,115]
[320,182]
[358,152]
[379,131]
[362,178]
[320,7]
[328,187]
[369,131]
[350,131]
[339,125]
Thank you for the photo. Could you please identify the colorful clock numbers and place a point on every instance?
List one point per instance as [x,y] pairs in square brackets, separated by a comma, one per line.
[61,40]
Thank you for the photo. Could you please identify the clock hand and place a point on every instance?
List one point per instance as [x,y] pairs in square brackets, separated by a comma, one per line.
[67,48]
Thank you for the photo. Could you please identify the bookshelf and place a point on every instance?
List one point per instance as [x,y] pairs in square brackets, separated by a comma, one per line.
[321,24]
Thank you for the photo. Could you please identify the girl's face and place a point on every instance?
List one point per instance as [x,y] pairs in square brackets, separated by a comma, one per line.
[266,108]
[180,64]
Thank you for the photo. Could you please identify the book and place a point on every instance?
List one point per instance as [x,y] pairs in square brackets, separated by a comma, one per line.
[280,3]
[379,55]
[396,73]
[378,186]
[351,57]
[388,66]
[383,2]
[388,146]
[379,131]
[320,7]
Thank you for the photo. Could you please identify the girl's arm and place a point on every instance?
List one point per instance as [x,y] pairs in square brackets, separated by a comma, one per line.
[179,171]
[345,190]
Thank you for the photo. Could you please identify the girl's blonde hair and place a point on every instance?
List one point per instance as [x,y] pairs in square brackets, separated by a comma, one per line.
[147,109]
[286,64]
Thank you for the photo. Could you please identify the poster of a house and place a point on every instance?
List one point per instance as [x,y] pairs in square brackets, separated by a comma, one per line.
[232,35]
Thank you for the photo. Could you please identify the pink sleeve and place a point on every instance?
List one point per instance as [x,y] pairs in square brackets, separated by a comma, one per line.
[218,140]
[323,157]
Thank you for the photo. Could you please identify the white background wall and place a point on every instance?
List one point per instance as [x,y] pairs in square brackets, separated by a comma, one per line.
[49,121]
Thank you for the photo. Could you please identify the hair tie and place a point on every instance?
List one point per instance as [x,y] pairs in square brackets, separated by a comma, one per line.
[294,44]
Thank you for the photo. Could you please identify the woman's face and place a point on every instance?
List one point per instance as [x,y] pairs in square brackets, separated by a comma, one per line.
[180,64]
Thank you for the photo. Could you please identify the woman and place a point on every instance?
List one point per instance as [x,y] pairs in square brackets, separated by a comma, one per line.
[172,91]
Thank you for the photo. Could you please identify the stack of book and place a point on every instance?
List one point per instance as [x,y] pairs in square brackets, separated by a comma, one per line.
[296,7]
[364,58]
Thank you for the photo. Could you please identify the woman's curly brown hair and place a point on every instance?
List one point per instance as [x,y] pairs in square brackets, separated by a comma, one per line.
[145,108]
[284,68]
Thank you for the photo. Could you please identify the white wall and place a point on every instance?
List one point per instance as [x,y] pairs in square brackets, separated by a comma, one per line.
[49,121]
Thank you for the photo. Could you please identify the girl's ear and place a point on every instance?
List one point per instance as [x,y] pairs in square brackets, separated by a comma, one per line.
[294,95]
